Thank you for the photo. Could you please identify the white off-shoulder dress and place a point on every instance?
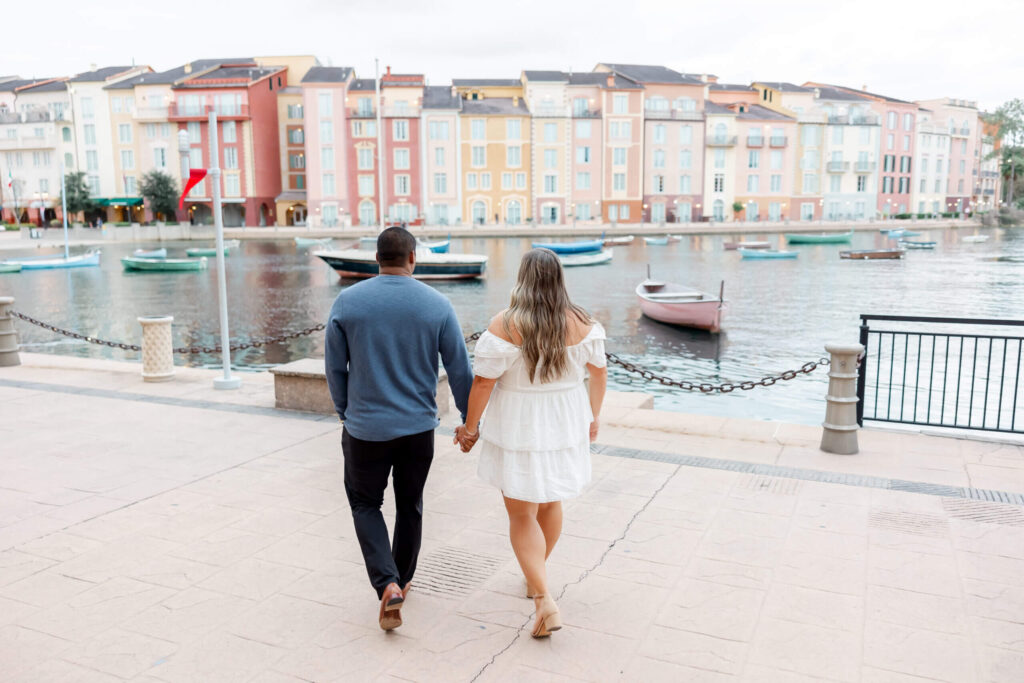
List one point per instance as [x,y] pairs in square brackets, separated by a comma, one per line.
[535,437]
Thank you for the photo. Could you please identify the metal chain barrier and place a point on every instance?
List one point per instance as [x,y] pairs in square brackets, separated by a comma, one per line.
[703,387]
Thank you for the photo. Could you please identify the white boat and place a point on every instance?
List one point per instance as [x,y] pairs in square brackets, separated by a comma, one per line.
[90,258]
[619,241]
[302,242]
[151,253]
[593,259]
[975,238]
[361,263]
[679,305]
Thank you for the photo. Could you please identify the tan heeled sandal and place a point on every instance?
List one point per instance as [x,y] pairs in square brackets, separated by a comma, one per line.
[548,618]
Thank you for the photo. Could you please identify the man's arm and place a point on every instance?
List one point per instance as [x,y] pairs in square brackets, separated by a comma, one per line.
[456,361]
[336,365]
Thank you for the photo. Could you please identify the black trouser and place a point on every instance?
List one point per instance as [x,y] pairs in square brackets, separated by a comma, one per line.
[367,465]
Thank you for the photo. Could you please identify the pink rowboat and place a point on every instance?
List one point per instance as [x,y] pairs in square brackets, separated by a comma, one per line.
[678,305]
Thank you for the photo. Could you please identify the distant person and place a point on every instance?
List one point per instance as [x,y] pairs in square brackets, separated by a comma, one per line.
[384,336]
[99,223]
[540,419]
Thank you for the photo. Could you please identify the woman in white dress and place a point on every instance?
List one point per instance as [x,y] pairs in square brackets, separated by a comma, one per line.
[535,437]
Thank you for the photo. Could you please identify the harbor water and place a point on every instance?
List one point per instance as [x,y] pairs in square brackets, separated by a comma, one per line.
[779,314]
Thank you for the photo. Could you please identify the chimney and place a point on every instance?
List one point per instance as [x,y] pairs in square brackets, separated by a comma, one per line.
[188,68]
[93,67]
[388,71]
[611,80]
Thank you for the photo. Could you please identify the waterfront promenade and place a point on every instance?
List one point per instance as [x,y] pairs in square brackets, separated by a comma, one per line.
[169,532]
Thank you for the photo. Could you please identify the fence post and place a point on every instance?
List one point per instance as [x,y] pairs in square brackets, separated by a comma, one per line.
[8,335]
[862,370]
[839,434]
[157,348]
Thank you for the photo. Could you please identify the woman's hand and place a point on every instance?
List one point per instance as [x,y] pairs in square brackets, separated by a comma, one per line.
[593,430]
[464,439]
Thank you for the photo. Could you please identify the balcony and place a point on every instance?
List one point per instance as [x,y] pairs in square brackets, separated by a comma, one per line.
[674,114]
[777,141]
[362,113]
[865,166]
[755,141]
[586,113]
[989,191]
[27,142]
[810,118]
[965,131]
[837,166]
[400,112]
[721,141]
[861,120]
[550,111]
[231,111]
[151,113]
[989,174]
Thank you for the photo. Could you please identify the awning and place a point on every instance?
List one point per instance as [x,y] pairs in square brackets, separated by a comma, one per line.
[118,201]
[292,196]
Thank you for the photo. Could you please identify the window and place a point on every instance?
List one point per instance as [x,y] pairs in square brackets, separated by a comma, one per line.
[231,158]
[89,131]
[923,188]
[619,182]
[619,130]
[439,156]
[963,146]
[92,160]
[514,156]
[365,183]
[656,103]
[438,130]
[890,141]
[775,159]
[231,185]
[402,158]
[582,155]
[583,129]
[624,211]
[890,120]
[810,136]
[229,132]
[583,212]
[960,186]
[908,122]
[364,106]
[327,158]
[924,165]
[295,111]
[507,181]
[87,110]
[938,185]
[904,164]
[862,183]
[550,132]
[719,158]
[44,185]
[865,135]
[684,184]
[889,163]
[297,161]
[115,104]
[835,183]
[583,180]
[127,159]
[296,136]
[195,158]
[775,183]
[402,184]
[471,181]
[477,129]
[328,184]
[479,156]
[685,158]
[754,158]
[440,183]
[485,181]
[718,184]
[550,183]
[194,132]
[66,134]
[618,156]
[904,185]
[659,184]
[324,104]
[753,183]
[94,185]
[659,158]
[685,135]
[550,158]
[513,129]
[659,133]
[887,184]
[326,132]
[810,183]
[364,159]
[400,130]
[837,135]
[963,166]
[938,165]
[620,104]
[686,104]
[165,129]
[160,157]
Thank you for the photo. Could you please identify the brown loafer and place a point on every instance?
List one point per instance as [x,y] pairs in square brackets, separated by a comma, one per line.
[390,607]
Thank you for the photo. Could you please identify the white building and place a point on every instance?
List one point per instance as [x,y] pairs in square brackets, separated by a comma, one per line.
[851,145]
[931,164]
[439,154]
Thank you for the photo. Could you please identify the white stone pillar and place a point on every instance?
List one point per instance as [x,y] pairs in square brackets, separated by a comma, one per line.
[8,335]
[839,433]
[157,348]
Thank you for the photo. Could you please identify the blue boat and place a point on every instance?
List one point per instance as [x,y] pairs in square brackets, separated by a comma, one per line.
[910,233]
[438,247]
[90,258]
[767,254]
[580,247]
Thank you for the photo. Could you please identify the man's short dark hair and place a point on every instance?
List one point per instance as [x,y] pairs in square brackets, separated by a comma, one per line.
[394,246]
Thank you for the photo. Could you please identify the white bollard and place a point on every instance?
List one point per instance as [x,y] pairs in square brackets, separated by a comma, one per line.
[839,433]
[157,348]
[8,335]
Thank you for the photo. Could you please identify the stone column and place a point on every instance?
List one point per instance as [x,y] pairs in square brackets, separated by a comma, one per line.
[840,426]
[8,335]
[157,348]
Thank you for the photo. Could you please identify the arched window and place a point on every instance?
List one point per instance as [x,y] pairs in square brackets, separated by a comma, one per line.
[367,214]
[684,213]
[514,212]
[718,210]
[479,212]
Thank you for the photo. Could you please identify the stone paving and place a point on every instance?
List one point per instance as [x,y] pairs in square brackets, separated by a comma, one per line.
[168,532]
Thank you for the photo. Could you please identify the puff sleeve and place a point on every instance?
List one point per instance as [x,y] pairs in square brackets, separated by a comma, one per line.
[595,347]
[493,356]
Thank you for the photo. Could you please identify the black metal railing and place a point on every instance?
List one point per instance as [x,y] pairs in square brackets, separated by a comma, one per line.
[942,372]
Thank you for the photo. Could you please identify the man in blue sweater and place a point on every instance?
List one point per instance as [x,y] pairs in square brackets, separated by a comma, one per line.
[384,336]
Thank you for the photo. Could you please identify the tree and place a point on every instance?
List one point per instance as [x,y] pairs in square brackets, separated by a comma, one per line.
[76,193]
[737,208]
[1009,122]
[160,190]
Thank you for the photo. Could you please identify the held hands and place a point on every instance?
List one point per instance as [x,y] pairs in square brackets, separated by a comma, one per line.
[465,439]
[593,430]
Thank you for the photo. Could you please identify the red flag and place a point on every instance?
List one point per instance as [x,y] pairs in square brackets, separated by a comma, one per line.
[195,176]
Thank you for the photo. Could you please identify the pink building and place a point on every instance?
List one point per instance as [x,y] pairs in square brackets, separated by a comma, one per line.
[765,163]
[622,108]
[402,101]
[327,142]
[961,118]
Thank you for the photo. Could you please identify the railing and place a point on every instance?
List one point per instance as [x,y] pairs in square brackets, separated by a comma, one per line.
[586,113]
[838,166]
[674,114]
[755,141]
[29,142]
[398,112]
[853,120]
[953,376]
[151,113]
[362,114]
[866,166]
[721,140]
[777,141]
[187,111]
[965,131]
[551,111]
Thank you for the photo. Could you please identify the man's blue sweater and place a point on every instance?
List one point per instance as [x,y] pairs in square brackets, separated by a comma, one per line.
[384,336]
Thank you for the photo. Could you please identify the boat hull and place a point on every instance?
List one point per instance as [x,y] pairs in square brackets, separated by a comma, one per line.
[363,266]
[162,265]
[872,254]
[10,267]
[574,260]
[619,241]
[823,238]
[765,254]
[907,244]
[311,242]
[570,247]
[656,241]
[90,259]
[732,246]
[702,315]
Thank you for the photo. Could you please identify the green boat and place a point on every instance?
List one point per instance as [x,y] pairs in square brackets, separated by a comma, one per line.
[212,251]
[819,237]
[10,267]
[163,265]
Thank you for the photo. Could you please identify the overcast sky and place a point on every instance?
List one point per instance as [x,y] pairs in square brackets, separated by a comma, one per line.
[903,48]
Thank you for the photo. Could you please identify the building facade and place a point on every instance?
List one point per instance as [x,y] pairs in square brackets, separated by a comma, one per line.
[440,156]
[322,162]
[931,164]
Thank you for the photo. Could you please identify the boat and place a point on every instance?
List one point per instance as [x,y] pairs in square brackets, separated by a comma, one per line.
[753,244]
[912,244]
[674,238]
[361,263]
[152,253]
[163,265]
[10,267]
[619,241]
[212,251]
[592,259]
[819,237]
[656,241]
[871,254]
[975,238]
[767,253]
[440,247]
[90,258]
[679,305]
[303,242]
[578,247]
[910,233]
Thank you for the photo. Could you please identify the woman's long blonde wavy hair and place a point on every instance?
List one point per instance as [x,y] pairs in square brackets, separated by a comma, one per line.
[539,312]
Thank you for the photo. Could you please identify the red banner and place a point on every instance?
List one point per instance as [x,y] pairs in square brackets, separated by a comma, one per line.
[195,176]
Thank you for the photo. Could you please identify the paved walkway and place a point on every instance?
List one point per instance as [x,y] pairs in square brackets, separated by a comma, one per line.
[168,532]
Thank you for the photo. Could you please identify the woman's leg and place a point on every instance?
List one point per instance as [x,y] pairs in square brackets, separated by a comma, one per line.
[549,516]
[528,541]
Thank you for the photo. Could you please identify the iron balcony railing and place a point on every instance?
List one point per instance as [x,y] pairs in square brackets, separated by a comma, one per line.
[777,141]
[190,111]
[962,373]
[586,113]
[151,113]
[860,120]
[674,114]
[755,141]
[721,140]
[361,113]
[865,166]
[838,166]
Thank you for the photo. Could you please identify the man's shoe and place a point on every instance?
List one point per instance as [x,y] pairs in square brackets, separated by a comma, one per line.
[405,591]
[390,607]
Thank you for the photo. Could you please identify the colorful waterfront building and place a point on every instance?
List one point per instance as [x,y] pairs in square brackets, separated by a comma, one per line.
[961,119]
[765,161]
[363,158]
[547,98]
[496,149]
[987,187]
[244,96]
[720,139]
[320,168]
[931,164]
[402,101]
[622,109]
[440,155]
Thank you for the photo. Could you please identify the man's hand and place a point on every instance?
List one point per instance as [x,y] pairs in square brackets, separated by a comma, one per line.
[593,430]
[464,439]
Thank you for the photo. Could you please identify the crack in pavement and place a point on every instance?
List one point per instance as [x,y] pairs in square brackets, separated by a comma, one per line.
[583,575]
